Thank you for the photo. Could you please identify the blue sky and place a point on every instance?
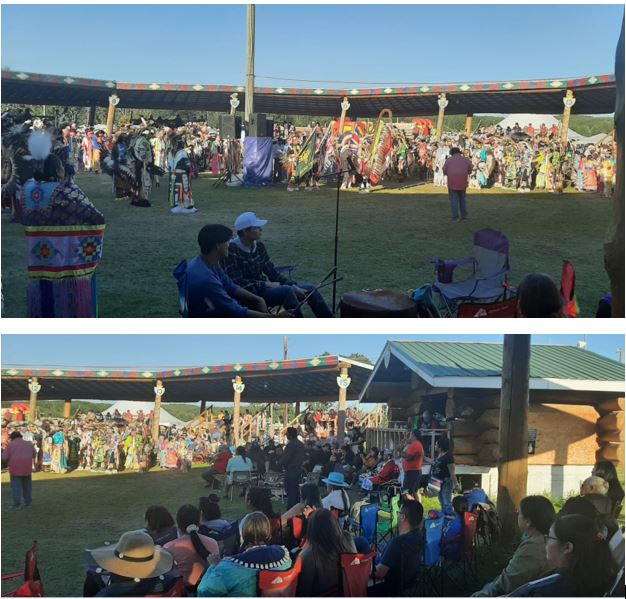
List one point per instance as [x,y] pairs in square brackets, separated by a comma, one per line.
[352,43]
[156,351]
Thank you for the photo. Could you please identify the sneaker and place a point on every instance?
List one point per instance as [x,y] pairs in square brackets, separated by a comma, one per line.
[26,507]
[15,507]
[454,220]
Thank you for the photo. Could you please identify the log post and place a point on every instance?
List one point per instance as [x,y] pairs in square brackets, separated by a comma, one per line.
[92,115]
[203,410]
[67,409]
[113,102]
[568,103]
[345,106]
[614,246]
[513,464]
[34,387]
[343,382]
[442,101]
[238,387]
[159,391]
[469,124]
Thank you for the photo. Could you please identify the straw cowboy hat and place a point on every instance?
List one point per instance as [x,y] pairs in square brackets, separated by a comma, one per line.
[134,556]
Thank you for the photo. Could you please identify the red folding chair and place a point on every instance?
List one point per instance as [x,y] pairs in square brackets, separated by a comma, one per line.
[356,569]
[32,585]
[280,583]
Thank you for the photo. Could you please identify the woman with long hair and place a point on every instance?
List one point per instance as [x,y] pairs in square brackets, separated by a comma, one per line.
[606,470]
[321,568]
[160,524]
[583,563]
[259,499]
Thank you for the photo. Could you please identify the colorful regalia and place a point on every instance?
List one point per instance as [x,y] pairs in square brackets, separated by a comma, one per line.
[142,159]
[64,233]
[180,197]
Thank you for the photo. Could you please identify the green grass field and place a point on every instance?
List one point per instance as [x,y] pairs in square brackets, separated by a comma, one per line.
[386,238]
[82,510]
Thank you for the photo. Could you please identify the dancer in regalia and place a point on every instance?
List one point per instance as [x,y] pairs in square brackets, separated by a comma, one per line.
[180,198]
[64,231]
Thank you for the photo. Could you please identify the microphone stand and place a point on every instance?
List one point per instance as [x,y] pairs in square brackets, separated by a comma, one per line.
[352,169]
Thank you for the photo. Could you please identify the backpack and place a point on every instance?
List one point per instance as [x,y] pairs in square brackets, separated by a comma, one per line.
[488,526]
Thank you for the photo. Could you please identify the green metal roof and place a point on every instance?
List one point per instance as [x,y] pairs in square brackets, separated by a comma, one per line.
[447,359]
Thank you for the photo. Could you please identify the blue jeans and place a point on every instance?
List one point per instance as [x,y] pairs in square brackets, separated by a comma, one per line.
[457,201]
[412,479]
[445,495]
[19,485]
[285,296]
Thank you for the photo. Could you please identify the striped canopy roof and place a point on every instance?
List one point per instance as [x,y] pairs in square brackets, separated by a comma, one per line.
[594,95]
[310,379]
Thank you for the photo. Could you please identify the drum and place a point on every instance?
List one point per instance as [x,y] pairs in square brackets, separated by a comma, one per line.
[377,304]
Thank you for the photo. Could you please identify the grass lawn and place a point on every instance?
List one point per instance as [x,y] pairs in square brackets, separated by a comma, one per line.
[386,238]
[84,510]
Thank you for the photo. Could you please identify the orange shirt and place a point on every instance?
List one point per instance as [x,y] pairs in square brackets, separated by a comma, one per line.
[417,450]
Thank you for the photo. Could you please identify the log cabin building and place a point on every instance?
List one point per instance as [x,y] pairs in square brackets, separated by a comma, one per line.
[576,408]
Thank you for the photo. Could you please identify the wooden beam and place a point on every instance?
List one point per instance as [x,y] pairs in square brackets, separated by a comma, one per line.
[67,409]
[159,391]
[469,123]
[442,101]
[113,102]
[568,103]
[238,387]
[34,387]
[92,115]
[343,381]
[513,466]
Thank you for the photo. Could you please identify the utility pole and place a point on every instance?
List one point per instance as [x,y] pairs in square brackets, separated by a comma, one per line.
[249,106]
[286,405]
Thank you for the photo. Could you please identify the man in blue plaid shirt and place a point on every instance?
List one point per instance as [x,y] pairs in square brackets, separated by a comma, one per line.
[249,266]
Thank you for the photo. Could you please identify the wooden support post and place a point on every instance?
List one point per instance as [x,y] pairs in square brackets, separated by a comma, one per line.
[297,408]
[67,409]
[203,410]
[469,123]
[345,106]
[442,101]
[113,102]
[614,246]
[238,387]
[343,382]
[34,387]
[513,466]
[249,101]
[159,391]
[285,418]
[568,103]
[92,115]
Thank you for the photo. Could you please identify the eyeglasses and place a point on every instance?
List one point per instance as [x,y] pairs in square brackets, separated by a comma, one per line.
[546,537]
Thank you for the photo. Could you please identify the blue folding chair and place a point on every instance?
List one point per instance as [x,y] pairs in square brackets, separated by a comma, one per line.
[369,522]
[432,572]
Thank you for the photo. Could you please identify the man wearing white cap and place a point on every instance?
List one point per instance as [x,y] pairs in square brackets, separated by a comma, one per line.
[249,266]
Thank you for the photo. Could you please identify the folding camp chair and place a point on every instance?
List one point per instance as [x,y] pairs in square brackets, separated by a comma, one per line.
[239,479]
[356,571]
[467,558]
[32,586]
[279,583]
[368,516]
[386,528]
[275,481]
[432,570]
[296,527]
[490,266]
[227,539]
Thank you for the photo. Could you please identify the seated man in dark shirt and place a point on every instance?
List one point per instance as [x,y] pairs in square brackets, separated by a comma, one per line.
[210,291]
[399,566]
[248,265]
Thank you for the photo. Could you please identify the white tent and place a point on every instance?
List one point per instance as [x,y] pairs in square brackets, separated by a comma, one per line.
[165,418]
[536,120]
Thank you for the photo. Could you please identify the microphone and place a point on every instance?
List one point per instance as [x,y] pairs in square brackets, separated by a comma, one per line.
[351,164]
